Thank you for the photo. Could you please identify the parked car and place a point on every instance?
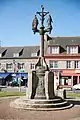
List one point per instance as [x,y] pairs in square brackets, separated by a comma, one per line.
[13,83]
[76,87]
[16,82]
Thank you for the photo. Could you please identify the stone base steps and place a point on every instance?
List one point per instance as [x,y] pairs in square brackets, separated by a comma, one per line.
[34,104]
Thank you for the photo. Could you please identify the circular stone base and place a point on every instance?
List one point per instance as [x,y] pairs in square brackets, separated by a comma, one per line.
[41,104]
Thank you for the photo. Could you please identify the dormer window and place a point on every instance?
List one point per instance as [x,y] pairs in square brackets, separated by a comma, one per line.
[54,49]
[72,49]
[15,54]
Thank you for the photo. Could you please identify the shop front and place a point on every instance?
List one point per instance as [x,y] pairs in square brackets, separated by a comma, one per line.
[69,78]
[19,79]
[9,78]
[4,77]
[65,81]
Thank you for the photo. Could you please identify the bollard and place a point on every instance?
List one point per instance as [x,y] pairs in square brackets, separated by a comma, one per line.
[64,94]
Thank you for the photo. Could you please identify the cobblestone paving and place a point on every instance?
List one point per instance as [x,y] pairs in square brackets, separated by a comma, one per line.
[8,113]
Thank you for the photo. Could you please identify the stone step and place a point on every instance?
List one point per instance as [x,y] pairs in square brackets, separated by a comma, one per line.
[42,101]
[60,103]
[40,104]
[50,109]
[23,106]
[22,103]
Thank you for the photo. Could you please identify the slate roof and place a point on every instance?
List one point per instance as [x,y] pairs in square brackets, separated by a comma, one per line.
[27,50]
[2,49]
[63,41]
[7,52]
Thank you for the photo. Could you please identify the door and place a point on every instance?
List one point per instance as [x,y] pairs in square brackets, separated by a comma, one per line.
[74,80]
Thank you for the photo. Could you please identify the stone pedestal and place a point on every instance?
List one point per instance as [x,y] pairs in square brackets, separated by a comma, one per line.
[40,90]
[40,84]
[49,85]
[32,85]
[29,89]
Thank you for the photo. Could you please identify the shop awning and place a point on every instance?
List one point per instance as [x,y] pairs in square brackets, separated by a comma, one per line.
[4,75]
[25,75]
[69,74]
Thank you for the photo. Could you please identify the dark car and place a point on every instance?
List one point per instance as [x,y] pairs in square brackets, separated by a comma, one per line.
[13,83]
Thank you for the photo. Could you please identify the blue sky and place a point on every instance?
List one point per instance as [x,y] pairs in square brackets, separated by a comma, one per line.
[16,20]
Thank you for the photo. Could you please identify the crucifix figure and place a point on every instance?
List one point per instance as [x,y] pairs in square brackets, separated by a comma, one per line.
[35,24]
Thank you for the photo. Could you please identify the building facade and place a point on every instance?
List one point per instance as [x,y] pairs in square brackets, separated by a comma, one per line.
[62,55]
[15,62]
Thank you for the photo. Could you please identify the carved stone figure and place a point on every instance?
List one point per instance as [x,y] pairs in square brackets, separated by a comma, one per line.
[35,24]
[49,22]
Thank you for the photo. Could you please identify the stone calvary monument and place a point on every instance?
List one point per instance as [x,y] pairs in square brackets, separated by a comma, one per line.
[40,94]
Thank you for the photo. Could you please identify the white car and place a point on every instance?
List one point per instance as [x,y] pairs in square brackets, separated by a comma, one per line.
[76,87]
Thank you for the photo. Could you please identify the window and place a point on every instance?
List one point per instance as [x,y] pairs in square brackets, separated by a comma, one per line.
[76,64]
[54,50]
[72,50]
[53,64]
[50,50]
[9,66]
[20,65]
[32,66]
[68,64]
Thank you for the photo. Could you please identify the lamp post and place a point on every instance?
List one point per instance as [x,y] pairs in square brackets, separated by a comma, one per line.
[40,68]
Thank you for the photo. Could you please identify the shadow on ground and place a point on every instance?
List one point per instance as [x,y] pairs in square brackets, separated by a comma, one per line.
[74,101]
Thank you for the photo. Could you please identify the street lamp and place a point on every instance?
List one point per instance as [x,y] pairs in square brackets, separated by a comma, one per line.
[42,30]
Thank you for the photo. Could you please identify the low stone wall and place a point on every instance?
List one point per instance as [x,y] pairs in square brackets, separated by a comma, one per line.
[61,93]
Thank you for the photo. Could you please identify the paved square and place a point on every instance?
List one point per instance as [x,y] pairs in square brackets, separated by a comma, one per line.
[8,113]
